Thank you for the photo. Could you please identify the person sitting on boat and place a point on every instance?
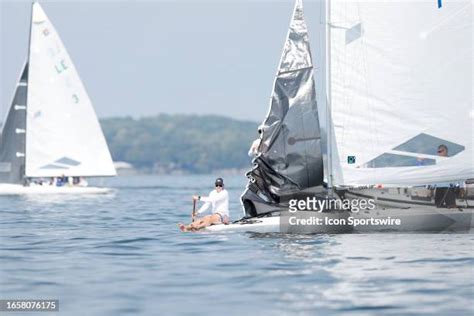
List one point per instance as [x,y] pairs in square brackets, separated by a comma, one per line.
[443,150]
[62,181]
[75,180]
[82,182]
[59,181]
[445,196]
[219,200]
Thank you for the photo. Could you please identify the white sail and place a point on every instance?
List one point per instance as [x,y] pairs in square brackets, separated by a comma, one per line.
[12,138]
[63,134]
[401,85]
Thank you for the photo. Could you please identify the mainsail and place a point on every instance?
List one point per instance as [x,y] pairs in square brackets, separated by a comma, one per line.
[289,157]
[63,135]
[400,86]
[12,138]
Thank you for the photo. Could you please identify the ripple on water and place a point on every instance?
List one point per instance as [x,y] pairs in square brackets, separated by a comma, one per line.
[122,254]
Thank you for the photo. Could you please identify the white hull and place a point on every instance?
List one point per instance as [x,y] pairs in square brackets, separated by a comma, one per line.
[258,225]
[426,219]
[412,220]
[274,225]
[15,189]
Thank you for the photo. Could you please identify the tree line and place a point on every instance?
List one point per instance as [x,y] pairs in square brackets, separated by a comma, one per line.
[189,143]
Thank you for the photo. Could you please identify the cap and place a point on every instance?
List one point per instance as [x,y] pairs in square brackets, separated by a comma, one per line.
[219,181]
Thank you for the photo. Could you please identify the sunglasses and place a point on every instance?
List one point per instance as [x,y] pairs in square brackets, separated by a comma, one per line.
[219,185]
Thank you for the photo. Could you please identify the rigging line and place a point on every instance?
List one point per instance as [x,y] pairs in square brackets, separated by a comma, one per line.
[372,121]
[328,76]
[346,97]
[346,69]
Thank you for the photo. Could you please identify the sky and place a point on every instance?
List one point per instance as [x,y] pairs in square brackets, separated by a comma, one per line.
[142,58]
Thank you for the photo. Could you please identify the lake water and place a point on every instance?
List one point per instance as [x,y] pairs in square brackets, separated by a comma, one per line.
[122,254]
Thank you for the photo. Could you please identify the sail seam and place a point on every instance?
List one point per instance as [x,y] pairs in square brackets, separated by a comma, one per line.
[295,70]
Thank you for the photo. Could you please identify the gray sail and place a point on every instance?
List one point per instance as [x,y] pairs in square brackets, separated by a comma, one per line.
[12,138]
[289,157]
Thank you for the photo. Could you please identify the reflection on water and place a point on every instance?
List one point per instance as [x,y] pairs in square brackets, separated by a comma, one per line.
[122,253]
[394,274]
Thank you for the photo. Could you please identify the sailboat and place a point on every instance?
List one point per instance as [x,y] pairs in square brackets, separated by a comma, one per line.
[397,85]
[51,130]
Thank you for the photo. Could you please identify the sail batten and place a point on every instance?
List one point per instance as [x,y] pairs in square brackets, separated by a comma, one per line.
[294,70]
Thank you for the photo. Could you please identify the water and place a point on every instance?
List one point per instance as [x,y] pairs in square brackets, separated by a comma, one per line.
[122,254]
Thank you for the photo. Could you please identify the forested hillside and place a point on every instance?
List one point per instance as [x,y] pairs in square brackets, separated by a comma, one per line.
[188,143]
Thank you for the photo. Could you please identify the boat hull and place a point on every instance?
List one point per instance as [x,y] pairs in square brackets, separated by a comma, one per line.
[280,224]
[419,220]
[414,207]
[15,189]
[258,225]
[413,220]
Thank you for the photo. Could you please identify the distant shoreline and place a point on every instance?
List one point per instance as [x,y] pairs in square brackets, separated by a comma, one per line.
[181,143]
[221,172]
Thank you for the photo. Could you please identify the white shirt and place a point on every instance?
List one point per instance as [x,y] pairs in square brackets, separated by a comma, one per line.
[219,202]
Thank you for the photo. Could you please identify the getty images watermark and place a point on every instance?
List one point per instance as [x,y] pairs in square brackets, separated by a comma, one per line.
[312,215]
[320,205]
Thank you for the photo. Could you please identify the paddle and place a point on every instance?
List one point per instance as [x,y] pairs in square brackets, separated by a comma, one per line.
[194,210]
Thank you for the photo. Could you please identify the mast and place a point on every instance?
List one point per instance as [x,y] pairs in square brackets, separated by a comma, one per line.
[27,88]
[328,99]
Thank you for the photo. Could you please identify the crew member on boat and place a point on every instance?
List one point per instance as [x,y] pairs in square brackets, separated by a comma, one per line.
[219,200]
[445,197]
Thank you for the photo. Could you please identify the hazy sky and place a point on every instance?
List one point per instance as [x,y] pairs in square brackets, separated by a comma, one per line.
[142,58]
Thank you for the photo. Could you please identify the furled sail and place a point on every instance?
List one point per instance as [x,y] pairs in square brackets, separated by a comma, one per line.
[401,86]
[12,138]
[63,134]
[289,155]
